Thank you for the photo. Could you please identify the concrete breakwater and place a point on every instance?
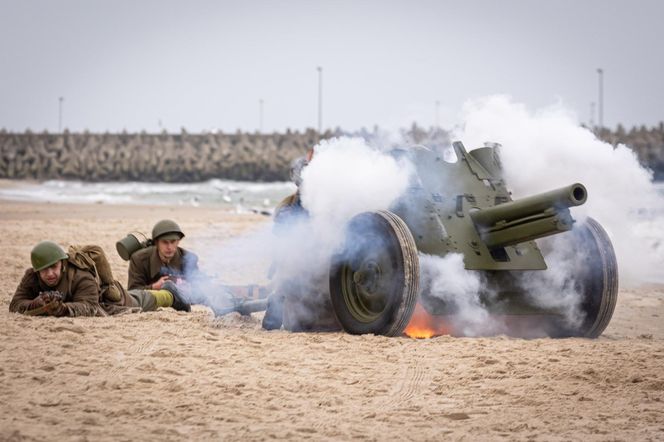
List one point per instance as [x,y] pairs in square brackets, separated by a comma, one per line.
[646,142]
[162,157]
[185,157]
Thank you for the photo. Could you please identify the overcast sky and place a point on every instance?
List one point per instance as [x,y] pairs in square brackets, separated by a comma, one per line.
[205,65]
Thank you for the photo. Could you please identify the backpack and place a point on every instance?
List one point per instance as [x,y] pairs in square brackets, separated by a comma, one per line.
[93,259]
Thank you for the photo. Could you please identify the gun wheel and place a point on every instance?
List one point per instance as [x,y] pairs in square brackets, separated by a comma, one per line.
[374,280]
[597,280]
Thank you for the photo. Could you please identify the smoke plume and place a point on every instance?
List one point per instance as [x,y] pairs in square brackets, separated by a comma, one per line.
[546,149]
[345,177]
[446,278]
[541,150]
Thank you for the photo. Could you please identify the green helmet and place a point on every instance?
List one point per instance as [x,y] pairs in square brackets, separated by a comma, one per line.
[45,254]
[166,229]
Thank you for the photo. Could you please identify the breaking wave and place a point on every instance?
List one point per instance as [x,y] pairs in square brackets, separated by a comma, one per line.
[238,195]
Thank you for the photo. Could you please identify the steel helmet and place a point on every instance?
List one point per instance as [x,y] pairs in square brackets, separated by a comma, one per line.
[166,229]
[45,254]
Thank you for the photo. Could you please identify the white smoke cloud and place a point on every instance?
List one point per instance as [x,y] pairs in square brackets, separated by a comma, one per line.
[345,177]
[446,279]
[557,288]
[542,150]
[546,149]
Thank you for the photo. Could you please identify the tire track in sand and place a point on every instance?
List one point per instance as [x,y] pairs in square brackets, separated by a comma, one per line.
[415,378]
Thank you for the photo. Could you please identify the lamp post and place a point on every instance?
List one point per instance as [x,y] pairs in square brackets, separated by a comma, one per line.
[320,99]
[260,116]
[437,114]
[600,100]
[60,100]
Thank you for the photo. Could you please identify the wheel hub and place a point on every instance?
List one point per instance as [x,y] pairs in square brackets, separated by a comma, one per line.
[367,277]
[361,290]
[374,278]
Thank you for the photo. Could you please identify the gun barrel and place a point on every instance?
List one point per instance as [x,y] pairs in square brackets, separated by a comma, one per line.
[565,197]
[529,218]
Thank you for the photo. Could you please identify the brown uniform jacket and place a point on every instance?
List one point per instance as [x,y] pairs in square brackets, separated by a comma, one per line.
[145,267]
[289,210]
[78,286]
[290,201]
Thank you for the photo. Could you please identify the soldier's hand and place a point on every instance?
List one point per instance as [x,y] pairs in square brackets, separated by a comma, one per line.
[50,296]
[47,303]
[57,308]
[157,285]
[36,303]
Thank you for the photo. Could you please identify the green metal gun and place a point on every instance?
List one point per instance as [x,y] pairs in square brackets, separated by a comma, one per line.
[465,208]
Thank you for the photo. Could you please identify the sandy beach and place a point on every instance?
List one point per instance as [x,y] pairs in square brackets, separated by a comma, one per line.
[169,375]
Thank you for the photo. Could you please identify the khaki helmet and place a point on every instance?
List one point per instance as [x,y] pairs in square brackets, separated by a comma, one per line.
[166,229]
[45,254]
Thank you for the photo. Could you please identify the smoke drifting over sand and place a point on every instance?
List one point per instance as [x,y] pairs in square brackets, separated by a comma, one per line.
[558,288]
[545,149]
[447,279]
[540,151]
[345,177]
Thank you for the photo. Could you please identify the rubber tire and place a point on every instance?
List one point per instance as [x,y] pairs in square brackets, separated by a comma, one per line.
[600,283]
[402,296]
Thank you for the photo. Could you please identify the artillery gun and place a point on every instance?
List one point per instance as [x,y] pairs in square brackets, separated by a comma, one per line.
[464,207]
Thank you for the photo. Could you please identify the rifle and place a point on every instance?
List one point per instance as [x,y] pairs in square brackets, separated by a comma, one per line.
[53,297]
[173,275]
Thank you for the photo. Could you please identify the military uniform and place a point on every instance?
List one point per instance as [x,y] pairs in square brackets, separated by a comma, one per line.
[82,295]
[77,291]
[289,202]
[80,290]
[146,267]
[301,304]
[289,209]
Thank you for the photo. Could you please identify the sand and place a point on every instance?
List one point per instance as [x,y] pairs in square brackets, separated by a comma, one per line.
[170,375]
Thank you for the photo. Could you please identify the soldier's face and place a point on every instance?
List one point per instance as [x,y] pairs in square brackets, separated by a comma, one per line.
[167,247]
[51,275]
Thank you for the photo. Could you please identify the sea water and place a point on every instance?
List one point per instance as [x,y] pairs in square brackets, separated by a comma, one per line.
[239,195]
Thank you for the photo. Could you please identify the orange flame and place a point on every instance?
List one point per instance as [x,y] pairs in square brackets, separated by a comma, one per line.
[422,325]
